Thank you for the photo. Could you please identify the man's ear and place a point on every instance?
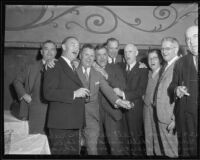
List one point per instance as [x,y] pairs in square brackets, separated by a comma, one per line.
[63,47]
[41,52]
[136,53]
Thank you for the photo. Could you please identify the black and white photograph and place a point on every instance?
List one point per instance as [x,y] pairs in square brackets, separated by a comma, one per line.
[100,81]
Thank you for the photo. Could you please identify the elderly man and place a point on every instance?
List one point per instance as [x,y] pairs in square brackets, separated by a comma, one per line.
[94,81]
[28,87]
[184,90]
[161,100]
[65,93]
[136,81]
[111,118]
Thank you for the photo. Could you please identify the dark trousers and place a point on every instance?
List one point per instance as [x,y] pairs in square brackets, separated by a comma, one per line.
[113,130]
[187,134]
[134,122]
[64,141]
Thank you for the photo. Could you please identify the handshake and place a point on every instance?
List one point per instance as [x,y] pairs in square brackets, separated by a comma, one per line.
[124,104]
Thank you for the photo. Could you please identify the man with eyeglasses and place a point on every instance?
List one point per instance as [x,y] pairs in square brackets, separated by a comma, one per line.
[161,100]
[184,90]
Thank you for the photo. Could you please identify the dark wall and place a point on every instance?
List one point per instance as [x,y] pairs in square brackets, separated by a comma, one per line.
[15,59]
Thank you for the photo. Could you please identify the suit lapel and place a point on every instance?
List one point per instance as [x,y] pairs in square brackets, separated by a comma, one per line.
[81,76]
[133,71]
[68,71]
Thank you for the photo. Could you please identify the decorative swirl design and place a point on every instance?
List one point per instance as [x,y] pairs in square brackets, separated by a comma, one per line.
[95,23]
[97,20]
[163,13]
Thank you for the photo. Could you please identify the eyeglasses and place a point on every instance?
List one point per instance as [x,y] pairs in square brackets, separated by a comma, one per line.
[167,48]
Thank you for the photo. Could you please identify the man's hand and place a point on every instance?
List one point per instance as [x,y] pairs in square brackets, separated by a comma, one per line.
[124,104]
[27,98]
[81,92]
[50,63]
[142,65]
[118,92]
[170,127]
[181,91]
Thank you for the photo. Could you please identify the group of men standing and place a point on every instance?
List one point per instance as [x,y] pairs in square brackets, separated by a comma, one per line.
[102,96]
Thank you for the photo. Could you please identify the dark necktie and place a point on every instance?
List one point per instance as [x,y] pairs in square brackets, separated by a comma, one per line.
[128,69]
[113,61]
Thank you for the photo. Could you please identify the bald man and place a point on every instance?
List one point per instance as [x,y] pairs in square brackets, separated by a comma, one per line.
[136,81]
[65,93]
[184,91]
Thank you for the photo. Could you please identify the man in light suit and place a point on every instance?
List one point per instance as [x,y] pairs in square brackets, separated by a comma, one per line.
[163,106]
[27,83]
[93,80]
[111,118]
[136,82]
[113,51]
[184,91]
[65,93]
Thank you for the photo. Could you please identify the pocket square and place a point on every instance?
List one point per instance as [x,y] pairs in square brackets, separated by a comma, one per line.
[96,83]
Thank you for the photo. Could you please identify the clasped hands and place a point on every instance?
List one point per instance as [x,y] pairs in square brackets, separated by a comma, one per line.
[124,103]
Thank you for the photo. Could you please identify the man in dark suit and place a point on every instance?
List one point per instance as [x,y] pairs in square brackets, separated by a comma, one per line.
[113,51]
[184,90]
[136,81]
[64,91]
[111,118]
[28,87]
[93,80]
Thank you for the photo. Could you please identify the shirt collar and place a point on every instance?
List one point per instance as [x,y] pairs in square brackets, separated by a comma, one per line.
[68,61]
[43,61]
[110,59]
[131,65]
[87,69]
[171,61]
[194,60]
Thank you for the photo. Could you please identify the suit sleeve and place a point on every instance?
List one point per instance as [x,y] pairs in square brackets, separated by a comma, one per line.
[131,94]
[19,81]
[52,91]
[107,90]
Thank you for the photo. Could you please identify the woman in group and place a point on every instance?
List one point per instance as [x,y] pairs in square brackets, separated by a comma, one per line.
[151,137]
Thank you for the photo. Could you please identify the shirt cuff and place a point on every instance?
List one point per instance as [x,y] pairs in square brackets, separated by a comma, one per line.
[115,105]
[123,95]
[74,96]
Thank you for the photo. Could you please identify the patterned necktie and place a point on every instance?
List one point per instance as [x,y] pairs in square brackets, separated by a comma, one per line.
[86,75]
[73,67]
